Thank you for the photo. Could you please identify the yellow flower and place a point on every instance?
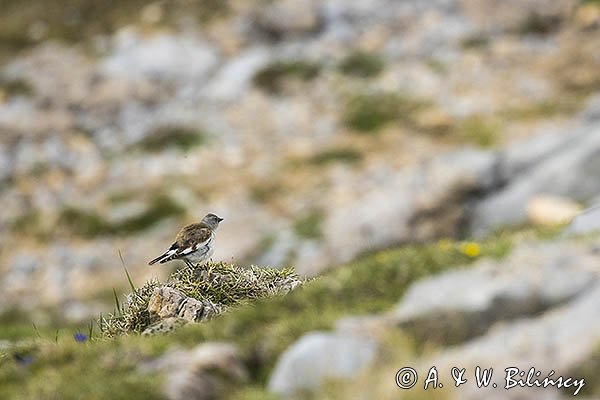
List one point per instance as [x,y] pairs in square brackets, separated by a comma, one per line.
[470,249]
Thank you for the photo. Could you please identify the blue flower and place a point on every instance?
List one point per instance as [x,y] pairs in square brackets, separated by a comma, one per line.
[24,359]
[80,337]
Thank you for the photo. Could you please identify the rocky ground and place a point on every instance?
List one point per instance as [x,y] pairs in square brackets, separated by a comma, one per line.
[305,133]
[324,133]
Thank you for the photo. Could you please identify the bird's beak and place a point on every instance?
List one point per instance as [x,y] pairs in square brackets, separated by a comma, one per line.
[220,219]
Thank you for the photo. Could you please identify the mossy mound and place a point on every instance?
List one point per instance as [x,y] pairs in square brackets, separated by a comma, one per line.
[221,285]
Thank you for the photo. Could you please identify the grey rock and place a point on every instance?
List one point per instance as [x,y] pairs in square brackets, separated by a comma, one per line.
[165,57]
[570,168]
[167,302]
[424,202]
[560,340]
[513,15]
[234,78]
[289,17]
[203,373]
[464,303]
[319,356]
[164,326]
[586,222]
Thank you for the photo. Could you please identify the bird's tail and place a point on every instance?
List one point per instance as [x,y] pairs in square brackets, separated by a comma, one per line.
[157,259]
[166,256]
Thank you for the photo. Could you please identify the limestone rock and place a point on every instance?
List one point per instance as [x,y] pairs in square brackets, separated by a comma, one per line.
[205,372]
[560,340]
[464,303]
[568,167]
[319,356]
[289,17]
[167,302]
[586,222]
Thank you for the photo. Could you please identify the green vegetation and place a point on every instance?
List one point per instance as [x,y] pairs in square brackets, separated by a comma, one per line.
[543,109]
[272,78]
[478,131]
[366,113]
[90,224]
[362,64]
[344,155]
[179,137]
[71,370]
[43,367]
[309,225]
[221,284]
[436,65]
[23,24]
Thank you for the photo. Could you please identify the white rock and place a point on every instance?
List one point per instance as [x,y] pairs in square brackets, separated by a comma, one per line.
[319,356]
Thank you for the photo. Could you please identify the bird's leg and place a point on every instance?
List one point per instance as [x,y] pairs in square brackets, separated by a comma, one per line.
[188,263]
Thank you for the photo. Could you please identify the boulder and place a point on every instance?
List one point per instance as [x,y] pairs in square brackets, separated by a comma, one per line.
[319,356]
[205,372]
[167,302]
[465,303]
[288,18]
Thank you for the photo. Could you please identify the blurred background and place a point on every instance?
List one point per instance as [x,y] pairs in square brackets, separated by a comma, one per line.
[322,131]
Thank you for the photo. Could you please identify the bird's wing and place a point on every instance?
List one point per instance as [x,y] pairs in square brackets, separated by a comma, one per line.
[191,238]
[188,240]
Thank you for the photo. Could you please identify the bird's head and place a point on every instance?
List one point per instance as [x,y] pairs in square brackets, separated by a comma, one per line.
[212,220]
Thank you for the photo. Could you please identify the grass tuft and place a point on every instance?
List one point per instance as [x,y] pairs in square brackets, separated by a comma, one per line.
[339,155]
[362,64]
[367,113]
[172,136]
[478,131]
[272,78]
[224,285]
[309,225]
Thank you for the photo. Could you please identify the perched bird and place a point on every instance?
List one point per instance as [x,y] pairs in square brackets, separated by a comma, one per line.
[194,243]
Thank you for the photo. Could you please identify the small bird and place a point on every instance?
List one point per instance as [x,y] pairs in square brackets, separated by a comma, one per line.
[194,243]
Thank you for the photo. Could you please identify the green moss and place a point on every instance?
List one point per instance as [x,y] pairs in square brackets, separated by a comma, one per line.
[272,78]
[89,224]
[478,131]
[362,64]
[338,155]
[180,137]
[366,113]
[309,226]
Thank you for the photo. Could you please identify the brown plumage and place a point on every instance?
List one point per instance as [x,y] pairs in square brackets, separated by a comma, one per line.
[194,243]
